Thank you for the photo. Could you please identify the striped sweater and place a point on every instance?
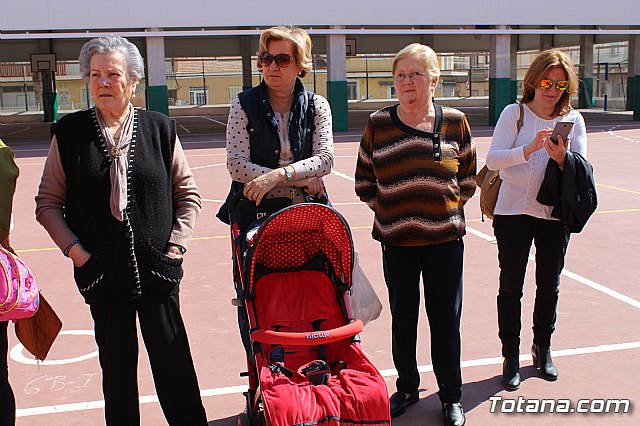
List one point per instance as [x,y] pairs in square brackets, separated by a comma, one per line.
[416,200]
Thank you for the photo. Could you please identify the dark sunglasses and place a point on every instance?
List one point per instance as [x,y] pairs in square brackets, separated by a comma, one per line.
[282,59]
[561,85]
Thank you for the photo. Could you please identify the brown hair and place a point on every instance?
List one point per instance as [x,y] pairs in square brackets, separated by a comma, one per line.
[298,37]
[546,60]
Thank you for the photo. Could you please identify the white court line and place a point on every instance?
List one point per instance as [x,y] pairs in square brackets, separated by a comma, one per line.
[215,121]
[342,175]
[208,165]
[582,280]
[184,128]
[228,390]
[612,133]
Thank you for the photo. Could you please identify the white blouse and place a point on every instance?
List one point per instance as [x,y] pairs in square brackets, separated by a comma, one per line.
[521,179]
[319,164]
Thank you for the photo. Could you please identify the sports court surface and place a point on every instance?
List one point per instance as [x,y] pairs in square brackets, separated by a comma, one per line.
[596,346]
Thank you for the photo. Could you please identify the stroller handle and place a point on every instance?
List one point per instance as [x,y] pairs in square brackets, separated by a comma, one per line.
[310,338]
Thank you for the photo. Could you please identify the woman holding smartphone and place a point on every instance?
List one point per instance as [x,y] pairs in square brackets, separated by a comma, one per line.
[519,219]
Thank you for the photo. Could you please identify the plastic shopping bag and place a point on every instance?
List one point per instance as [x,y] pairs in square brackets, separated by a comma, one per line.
[365,304]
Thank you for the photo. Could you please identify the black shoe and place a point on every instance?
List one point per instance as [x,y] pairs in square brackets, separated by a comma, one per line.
[543,362]
[511,373]
[453,414]
[399,402]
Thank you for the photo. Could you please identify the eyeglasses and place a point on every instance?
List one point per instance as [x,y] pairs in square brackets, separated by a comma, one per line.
[561,85]
[412,76]
[282,59]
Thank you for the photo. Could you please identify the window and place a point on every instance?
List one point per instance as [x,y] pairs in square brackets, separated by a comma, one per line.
[234,89]
[64,99]
[448,89]
[197,95]
[353,92]
[391,92]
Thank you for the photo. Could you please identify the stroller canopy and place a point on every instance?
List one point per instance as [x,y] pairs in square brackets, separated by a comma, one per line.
[295,235]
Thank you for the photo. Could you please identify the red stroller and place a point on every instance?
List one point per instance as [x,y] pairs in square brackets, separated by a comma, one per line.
[293,272]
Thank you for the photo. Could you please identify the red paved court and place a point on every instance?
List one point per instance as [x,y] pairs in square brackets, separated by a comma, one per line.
[596,345]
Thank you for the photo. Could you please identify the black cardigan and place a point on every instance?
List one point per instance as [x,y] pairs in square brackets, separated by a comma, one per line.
[571,192]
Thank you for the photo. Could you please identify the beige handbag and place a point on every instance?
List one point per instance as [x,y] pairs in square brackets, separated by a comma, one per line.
[489,181]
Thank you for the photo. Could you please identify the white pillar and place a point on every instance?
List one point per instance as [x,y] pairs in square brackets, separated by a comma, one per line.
[337,92]
[499,75]
[157,93]
[585,94]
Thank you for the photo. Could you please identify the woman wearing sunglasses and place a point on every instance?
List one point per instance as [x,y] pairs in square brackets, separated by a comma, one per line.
[279,136]
[519,219]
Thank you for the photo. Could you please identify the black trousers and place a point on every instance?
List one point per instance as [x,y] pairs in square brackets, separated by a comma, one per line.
[166,341]
[7,399]
[514,235]
[441,268]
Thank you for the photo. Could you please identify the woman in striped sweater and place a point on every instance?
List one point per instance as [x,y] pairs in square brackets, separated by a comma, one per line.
[416,170]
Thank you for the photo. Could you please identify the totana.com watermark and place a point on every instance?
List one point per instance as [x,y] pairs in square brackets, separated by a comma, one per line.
[523,405]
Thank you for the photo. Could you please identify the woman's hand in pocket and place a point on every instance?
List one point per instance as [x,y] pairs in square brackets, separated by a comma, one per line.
[79,255]
[173,252]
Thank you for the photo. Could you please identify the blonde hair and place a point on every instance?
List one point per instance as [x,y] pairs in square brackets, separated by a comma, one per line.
[551,58]
[424,54]
[300,40]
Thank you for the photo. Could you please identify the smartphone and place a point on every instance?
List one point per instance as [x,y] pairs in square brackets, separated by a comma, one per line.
[562,128]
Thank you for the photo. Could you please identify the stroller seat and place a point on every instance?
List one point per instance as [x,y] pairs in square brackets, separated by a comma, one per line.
[306,302]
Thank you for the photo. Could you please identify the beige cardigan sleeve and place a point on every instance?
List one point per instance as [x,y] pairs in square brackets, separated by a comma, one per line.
[52,195]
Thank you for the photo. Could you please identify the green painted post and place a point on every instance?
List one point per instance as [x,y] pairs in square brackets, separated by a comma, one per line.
[338,100]
[585,92]
[158,99]
[629,105]
[636,97]
[514,90]
[499,97]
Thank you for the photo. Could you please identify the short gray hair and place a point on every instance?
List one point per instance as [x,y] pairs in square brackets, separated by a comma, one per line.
[422,53]
[109,44]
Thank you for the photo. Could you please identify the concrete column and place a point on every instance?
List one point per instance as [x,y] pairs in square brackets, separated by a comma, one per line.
[514,67]
[634,64]
[585,91]
[157,92]
[247,66]
[337,79]
[546,41]
[635,54]
[499,75]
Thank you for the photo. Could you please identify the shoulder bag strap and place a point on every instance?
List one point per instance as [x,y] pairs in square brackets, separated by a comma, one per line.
[520,122]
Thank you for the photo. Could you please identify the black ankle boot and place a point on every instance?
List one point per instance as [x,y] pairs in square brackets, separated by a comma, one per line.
[511,373]
[543,362]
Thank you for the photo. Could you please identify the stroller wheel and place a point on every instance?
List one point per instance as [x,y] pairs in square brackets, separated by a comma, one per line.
[258,419]
[243,419]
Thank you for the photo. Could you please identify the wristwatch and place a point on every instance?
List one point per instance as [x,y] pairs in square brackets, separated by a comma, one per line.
[179,247]
[288,173]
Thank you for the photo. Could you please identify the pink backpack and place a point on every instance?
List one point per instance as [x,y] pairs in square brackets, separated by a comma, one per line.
[19,296]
